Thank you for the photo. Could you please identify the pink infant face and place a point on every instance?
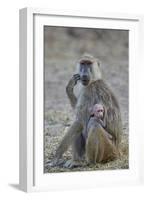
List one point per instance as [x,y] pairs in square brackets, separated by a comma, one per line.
[98,110]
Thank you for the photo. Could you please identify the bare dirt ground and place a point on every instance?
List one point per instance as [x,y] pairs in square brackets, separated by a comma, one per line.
[63,46]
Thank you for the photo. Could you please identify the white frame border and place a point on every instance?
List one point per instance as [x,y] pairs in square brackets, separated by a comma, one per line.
[27,144]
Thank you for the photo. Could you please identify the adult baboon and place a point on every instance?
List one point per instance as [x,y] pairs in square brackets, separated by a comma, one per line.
[85,89]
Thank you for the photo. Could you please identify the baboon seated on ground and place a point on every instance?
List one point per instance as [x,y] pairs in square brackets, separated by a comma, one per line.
[85,89]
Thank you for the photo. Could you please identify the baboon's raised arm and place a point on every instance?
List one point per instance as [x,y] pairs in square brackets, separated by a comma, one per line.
[70,89]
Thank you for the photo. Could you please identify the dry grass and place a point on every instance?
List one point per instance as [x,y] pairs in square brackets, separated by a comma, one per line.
[52,142]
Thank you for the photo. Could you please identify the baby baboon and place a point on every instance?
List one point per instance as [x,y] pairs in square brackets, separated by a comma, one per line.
[97,135]
[85,89]
[97,115]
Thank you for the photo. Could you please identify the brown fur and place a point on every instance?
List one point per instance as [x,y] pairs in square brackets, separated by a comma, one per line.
[98,92]
[99,144]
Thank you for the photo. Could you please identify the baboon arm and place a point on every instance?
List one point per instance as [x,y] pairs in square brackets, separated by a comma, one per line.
[103,123]
[74,131]
[70,93]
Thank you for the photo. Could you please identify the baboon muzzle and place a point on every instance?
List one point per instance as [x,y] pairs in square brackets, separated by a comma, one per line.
[85,79]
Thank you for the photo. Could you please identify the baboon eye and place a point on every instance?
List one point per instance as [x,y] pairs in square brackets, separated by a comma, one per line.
[100,110]
[88,63]
[82,63]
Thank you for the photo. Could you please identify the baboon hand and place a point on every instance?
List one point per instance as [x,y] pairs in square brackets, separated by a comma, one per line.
[73,81]
[76,78]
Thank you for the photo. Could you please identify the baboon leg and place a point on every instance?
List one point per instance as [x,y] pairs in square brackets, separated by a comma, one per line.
[91,154]
[92,145]
[72,134]
[108,149]
[78,150]
[78,147]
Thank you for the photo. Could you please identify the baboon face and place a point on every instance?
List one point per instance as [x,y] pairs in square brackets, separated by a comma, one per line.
[89,69]
[85,71]
[98,111]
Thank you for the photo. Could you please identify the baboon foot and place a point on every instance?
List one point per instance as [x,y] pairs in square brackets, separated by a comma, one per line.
[72,164]
[55,162]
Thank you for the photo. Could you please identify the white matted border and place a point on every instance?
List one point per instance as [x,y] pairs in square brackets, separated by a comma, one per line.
[32,178]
